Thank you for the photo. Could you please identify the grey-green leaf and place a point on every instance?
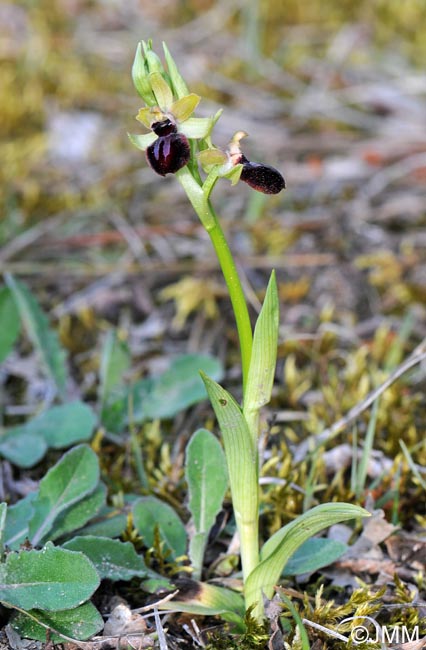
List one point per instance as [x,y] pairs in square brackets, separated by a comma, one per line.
[17,518]
[21,448]
[52,579]
[10,323]
[280,547]
[78,623]
[44,339]
[113,560]
[241,453]
[314,554]
[74,476]
[149,513]
[77,515]
[115,361]
[207,478]
[263,357]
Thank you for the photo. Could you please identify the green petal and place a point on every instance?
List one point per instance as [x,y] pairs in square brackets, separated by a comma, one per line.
[142,141]
[149,115]
[210,157]
[196,127]
[183,108]
[161,90]
[233,174]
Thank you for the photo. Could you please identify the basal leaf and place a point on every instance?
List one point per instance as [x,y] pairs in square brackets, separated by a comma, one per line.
[44,339]
[207,478]
[17,518]
[21,448]
[113,560]
[77,515]
[74,476]
[64,425]
[280,547]
[149,513]
[52,579]
[79,623]
[314,554]
[10,323]
[115,361]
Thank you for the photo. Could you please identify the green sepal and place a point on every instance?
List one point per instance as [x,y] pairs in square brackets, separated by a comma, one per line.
[140,78]
[142,142]
[179,86]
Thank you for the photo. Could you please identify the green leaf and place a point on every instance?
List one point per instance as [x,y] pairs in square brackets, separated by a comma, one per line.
[73,477]
[263,359]
[177,388]
[17,518]
[10,323]
[113,560]
[79,514]
[208,600]
[314,554]
[149,513]
[142,141]
[207,478]
[280,547]
[241,453]
[3,514]
[53,579]
[164,396]
[21,448]
[44,339]
[64,425]
[107,524]
[79,623]
[115,361]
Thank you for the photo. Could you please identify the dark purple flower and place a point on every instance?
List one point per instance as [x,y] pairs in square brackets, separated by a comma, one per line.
[170,152]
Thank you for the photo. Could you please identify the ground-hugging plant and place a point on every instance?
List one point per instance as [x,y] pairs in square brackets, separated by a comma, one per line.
[180,144]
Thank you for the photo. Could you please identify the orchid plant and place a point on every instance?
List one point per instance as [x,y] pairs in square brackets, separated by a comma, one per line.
[178,143]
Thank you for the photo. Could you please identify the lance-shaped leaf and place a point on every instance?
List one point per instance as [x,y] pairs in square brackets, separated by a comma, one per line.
[75,476]
[17,518]
[52,579]
[280,547]
[263,358]
[208,600]
[9,322]
[207,478]
[44,339]
[242,459]
[77,515]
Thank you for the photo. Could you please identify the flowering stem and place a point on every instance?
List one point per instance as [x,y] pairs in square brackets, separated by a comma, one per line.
[209,219]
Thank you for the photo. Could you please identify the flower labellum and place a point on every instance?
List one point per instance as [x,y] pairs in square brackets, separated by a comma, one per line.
[170,152]
[262,178]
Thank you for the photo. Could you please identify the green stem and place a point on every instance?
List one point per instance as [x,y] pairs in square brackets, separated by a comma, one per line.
[211,223]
